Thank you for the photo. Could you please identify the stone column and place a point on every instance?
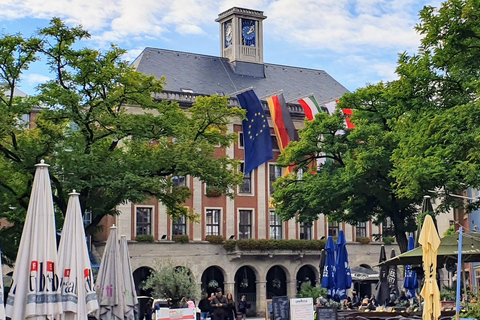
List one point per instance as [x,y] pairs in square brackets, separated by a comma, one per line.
[261,297]
[229,288]
[292,288]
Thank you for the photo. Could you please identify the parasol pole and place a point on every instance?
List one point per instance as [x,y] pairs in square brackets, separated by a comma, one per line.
[459,270]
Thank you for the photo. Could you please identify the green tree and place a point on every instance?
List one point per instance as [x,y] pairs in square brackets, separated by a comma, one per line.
[355,184]
[168,281]
[437,95]
[102,131]
[307,291]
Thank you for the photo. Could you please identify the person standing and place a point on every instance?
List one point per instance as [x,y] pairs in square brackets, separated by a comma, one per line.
[219,305]
[148,310]
[204,306]
[231,309]
[242,307]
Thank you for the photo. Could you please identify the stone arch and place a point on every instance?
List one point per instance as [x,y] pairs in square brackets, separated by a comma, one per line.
[212,278]
[277,281]
[139,275]
[246,284]
[306,273]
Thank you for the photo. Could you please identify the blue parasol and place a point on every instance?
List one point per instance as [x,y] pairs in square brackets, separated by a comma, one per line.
[411,282]
[328,277]
[343,276]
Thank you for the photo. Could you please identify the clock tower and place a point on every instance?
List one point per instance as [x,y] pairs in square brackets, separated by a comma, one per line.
[241,35]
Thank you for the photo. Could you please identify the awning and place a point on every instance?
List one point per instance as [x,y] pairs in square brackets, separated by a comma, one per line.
[448,251]
[362,274]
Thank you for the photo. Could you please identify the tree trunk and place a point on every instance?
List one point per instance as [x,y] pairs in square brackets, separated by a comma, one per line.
[401,240]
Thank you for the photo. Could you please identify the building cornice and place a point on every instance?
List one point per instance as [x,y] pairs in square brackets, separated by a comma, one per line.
[186,100]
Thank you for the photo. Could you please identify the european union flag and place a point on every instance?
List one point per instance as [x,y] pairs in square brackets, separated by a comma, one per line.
[256,132]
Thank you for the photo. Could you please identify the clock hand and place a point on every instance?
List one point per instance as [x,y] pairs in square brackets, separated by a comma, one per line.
[251,30]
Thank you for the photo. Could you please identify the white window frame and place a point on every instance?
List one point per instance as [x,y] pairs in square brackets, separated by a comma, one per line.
[252,185]
[252,235]
[268,174]
[187,182]
[219,220]
[186,226]
[241,139]
[152,222]
[282,225]
[312,230]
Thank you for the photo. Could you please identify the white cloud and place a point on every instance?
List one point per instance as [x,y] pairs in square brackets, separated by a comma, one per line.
[33,79]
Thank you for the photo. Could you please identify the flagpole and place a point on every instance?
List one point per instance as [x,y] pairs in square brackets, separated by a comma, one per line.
[301,97]
[271,94]
[240,91]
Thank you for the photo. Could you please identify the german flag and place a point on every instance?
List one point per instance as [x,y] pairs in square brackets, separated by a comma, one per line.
[282,124]
[282,121]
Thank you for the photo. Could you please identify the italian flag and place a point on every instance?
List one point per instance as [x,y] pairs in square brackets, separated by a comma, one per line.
[310,107]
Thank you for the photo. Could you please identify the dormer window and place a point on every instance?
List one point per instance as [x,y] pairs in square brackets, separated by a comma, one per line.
[186,90]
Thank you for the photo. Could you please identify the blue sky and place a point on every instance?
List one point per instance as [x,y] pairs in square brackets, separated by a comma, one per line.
[355,41]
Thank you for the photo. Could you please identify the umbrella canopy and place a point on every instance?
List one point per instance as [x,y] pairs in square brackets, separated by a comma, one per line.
[448,251]
[383,293]
[328,278]
[392,276]
[130,294]
[362,274]
[78,293]
[109,285]
[343,276]
[411,282]
[430,242]
[321,266]
[35,289]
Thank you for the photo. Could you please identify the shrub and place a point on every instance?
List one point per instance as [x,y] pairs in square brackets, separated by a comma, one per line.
[230,245]
[363,240]
[215,239]
[181,238]
[171,281]
[388,240]
[213,192]
[144,238]
[273,244]
[307,291]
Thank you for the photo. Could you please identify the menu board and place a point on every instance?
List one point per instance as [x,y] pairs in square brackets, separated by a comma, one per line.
[269,310]
[301,309]
[327,313]
[281,308]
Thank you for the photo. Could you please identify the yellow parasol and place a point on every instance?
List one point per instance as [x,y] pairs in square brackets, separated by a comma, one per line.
[430,242]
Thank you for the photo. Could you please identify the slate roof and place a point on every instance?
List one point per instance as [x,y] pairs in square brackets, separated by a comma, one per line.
[215,75]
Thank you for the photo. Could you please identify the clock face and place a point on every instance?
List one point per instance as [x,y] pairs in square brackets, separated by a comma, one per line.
[248,32]
[228,34]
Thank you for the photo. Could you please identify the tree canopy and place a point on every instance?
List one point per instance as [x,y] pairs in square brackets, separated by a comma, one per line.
[414,136]
[101,131]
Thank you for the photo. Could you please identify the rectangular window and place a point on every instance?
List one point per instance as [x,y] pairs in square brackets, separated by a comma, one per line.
[240,140]
[179,226]
[144,221]
[245,225]
[275,173]
[179,181]
[275,226]
[87,218]
[333,228]
[275,143]
[361,230]
[387,227]
[246,186]
[212,222]
[305,231]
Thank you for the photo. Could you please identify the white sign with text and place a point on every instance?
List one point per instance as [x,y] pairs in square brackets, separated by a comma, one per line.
[301,309]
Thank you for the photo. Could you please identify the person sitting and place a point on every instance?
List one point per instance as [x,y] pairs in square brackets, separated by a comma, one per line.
[348,303]
[403,297]
[355,299]
[364,305]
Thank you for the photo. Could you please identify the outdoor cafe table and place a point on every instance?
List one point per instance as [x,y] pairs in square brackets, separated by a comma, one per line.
[382,315]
